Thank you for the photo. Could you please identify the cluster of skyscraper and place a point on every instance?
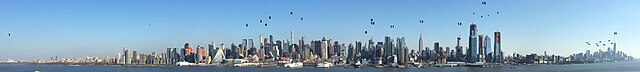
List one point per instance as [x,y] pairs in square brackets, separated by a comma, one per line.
[389,52]
[479,49]
[134,58]
[600,55]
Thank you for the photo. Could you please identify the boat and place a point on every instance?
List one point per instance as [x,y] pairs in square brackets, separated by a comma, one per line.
[294,65]
[445,65]
[183,63]
[379,66]
[246,64]
[357,65]
[400,66]
[478,64]
[418,65]
[324,65]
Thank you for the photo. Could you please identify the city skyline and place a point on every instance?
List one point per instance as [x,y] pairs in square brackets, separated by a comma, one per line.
[102,29]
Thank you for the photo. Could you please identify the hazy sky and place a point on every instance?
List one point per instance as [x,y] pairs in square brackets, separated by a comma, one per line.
[41,29]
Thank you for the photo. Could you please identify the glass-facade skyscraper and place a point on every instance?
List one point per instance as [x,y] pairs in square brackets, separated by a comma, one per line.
[497,51]
[388,48]
[487,47]
[472,55]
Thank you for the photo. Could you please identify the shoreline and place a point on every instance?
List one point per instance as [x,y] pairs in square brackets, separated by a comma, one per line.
[278,65]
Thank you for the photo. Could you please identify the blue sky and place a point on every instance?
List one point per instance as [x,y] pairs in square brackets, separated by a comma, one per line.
[76,28]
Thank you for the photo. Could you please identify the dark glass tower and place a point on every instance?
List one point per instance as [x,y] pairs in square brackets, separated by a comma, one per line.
[497,50]
[472,52]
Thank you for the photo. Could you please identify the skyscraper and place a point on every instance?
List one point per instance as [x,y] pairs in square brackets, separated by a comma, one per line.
[459,55]
[447,50]
[181,56]
[379,53]
[343,49]
[302,50]
[497,50]
[337,48]
[270,41]
[330,49]
[261,42]
[188,53]
[472,55]
[266,45]
[324,49]
[234,52]
[401,44]
[371,46]
[291,38]
[406,56]
[401,55]
[292,48]
[244,43]
[388,48]
[250,44]
[317,47]
[134,58]
[420,45]
[294,54]
[126,56]
[438,50]
[212,50]
[198,54]
[482,51]
[351,54]
[487,47]
[171,56]
[286,49]
[279,47]
[119,59]
[615,51]
[358,50]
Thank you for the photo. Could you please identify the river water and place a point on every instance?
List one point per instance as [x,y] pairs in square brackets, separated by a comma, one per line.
[627,66]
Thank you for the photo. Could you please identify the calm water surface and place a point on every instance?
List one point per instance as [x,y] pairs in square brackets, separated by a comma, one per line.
[630,66]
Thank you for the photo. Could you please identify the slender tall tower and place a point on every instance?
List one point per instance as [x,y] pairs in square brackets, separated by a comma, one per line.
[420,44]
[270,41]
[497,51]
[487,48]
[472,55]
[459,55]
[437,49]
[291,38]
[261,43]
[358,50]
[482,52]
[292,50]
[302,47]
[267,45]
[614,49]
